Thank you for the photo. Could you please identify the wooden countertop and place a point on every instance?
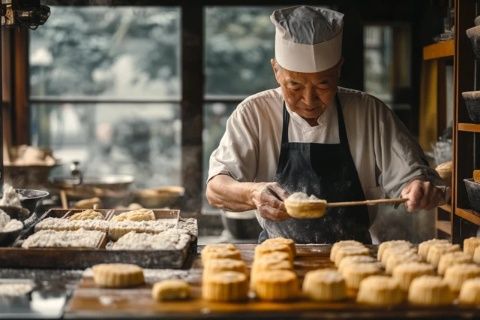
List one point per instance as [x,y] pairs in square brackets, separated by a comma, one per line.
[89,301]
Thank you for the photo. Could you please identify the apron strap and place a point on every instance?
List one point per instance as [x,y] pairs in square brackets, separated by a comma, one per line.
[286,122]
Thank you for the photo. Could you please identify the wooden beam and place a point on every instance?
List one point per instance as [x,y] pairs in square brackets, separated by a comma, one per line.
[192,106]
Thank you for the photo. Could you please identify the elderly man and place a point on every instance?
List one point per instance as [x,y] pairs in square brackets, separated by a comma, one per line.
[312,136]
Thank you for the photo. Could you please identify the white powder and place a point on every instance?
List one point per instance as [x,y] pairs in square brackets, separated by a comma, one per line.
[301,196]
[10,197]
[172,239]
[78,239]
[12,225]
[4,219]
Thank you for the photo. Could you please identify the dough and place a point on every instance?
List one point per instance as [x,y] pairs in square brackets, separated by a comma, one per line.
[88,214]
[388,244]
[289,242]
[264,249]
[395,260]
[220,251]
[356,260]
[470,244]
[470,292]
[344,243]
[73,239]
[135,215]
[424,247]
[350,251]
[213,266]
[355,273]
[449,259]
[437,250]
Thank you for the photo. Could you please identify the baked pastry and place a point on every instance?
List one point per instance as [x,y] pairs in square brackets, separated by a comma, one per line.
[430,291]
[213,266]
[117,275]
[470,292]
[225,286]
[289,242]
[449,259]
[276,285]
[135,215]
[91,203]
[220,251]
[391,243]
[395,260]
[437,250]
[476,256]
[470,244]
[381,291]
[405,273]
[356,260]
[350,251]
[171,290]
[264,249]
[324,285]
[457,274]
[355,273]
[340,244]
[424,247]
[269,262]
[301,206]
[88,214]
[396,250]
[476,175]
[62,239]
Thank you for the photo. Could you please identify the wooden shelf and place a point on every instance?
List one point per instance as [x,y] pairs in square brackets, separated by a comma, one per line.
[444,226]
[469,127]
[468,215]
[446,207]
[439,50]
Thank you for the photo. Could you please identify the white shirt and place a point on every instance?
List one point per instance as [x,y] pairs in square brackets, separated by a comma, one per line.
[385,155]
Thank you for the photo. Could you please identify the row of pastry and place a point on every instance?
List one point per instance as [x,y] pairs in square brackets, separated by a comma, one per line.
[411,273]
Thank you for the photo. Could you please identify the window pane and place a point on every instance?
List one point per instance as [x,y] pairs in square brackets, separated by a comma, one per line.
[114,139]
[215,117]
[107,51]
[239,43]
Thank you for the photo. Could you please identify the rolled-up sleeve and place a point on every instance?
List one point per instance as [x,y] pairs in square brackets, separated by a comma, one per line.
[237,153]
[399,157]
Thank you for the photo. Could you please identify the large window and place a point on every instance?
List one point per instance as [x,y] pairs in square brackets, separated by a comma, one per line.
[105,90]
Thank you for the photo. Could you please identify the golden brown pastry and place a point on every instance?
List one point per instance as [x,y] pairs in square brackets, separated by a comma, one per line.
[225,286]
[405,273]
[117,275]
[395,260]
[171,290]
[135,215]
[476,256]
[344,243]
[424,247]
[220,251]
[389,244]
[396,250]
[213,266]
[476,175]
[276,285]
[324,285]
[289,242]
[470,244]
[430,291]
[350,251]
[355,273]
[380,291]
[356,260]
[88,214]
[437,250]
[470,292]
[449,259]
[457,274]
[264,249]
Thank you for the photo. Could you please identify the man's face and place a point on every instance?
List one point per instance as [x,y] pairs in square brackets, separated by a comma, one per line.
[308,94]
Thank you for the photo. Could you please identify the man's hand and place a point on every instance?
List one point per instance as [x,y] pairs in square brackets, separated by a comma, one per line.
[268,198]
[422,195]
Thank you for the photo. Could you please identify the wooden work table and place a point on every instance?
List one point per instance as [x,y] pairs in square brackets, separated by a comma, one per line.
[89,301]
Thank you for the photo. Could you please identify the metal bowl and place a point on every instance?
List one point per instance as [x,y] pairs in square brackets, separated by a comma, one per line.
[241,225]
[30,197]
[7,238]
[159,197]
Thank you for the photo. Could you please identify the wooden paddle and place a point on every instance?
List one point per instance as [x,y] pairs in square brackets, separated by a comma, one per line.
[308,208]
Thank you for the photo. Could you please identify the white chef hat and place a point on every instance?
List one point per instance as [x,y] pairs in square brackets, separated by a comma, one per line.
[307,39]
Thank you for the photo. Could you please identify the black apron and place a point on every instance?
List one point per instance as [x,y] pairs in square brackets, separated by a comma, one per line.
[328,172]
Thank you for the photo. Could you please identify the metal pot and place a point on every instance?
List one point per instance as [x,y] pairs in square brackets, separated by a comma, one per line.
[241,225]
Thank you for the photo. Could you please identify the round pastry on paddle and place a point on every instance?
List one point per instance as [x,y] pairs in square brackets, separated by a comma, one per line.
[301,206]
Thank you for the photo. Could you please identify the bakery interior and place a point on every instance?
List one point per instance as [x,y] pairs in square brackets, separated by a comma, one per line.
[111,110]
